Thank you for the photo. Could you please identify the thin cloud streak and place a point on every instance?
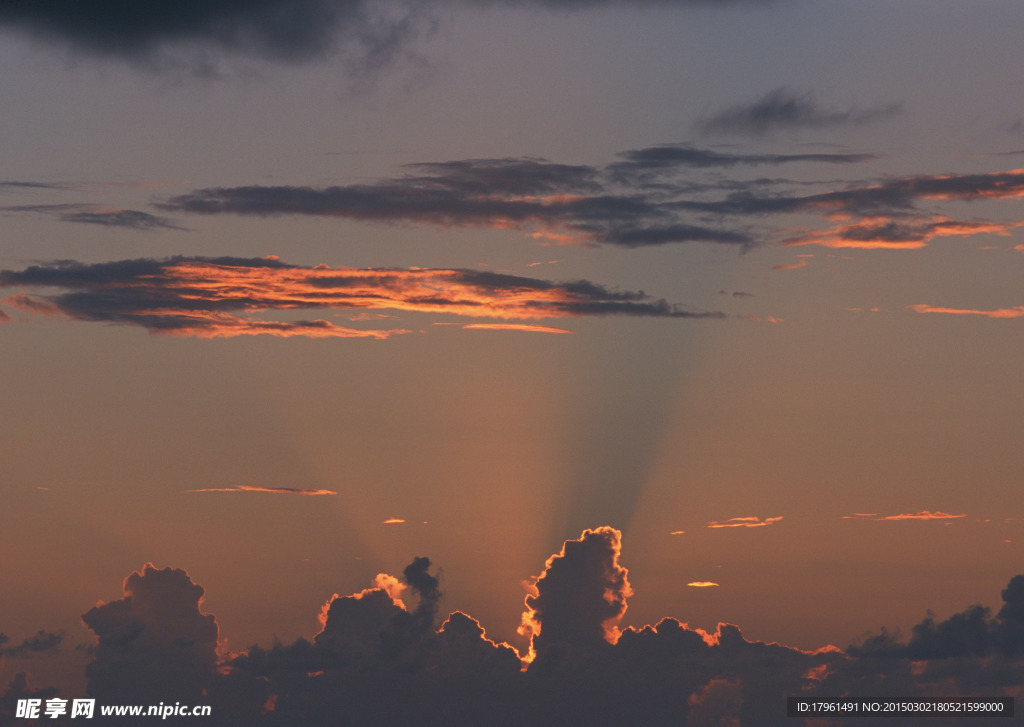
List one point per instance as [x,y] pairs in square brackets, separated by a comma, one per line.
[212,297]
[270,490]
[922,515]
[514,327]
[98,215]
[1015,312]
[785,109]
[744,522]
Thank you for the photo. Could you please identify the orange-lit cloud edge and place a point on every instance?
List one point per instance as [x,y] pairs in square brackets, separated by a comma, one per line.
[215,297]
[922,515]
[744,522]
[270,490]
[1014,312]
[388,634]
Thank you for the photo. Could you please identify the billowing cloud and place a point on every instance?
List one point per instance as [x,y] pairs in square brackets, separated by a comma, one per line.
[579,599]
[922,515]
[384,656]
[744,522]
[155,644]
[971,634]
[214,297]
[270,490]
[784,109]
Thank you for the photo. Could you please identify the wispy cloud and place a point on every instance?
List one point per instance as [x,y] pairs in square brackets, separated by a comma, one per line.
[214,297]
[161,33]
[648,197]
[98,215]
[393,521]
[515,327]
[1014,312]
[922,515]
[702,584]
[744,522]
[270,490]
[784,109]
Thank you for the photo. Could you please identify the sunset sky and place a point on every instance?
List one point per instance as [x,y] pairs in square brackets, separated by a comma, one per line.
[292,294]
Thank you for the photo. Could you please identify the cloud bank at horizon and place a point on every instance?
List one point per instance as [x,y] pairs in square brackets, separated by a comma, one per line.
[581,668]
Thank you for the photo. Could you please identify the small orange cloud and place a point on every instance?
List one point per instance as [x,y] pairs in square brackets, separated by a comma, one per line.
[678,532]
[272,490]
[393,521]
[1015,312]
[923,515]
[744,522]
[702,584]
[791,266]
[515,327]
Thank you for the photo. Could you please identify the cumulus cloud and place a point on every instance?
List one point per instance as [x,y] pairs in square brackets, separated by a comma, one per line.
[784,108]
[155,644]
[579,599]
[385,656]
[215,297]
[968,635]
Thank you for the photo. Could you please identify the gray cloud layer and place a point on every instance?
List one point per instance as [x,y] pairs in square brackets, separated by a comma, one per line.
[784,109]
[640,200]
[373,31]
[647,197]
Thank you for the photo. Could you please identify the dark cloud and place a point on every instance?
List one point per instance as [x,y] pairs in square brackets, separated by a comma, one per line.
[580,597]
[638,201]
[159,33]
[42,641]
[214,297]
[381,657]
[288,30]
[649,197]
[97,215]
[973,632]
[19,689]
[155,644]
[786,109]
